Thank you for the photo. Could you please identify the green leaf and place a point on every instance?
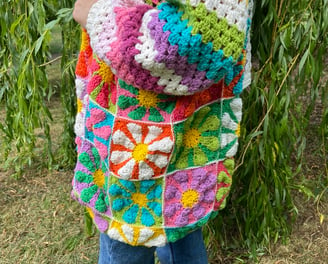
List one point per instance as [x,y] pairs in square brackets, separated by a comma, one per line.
[302,62]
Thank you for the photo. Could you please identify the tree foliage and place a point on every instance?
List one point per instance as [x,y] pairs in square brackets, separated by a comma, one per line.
[289,40]
[24,52]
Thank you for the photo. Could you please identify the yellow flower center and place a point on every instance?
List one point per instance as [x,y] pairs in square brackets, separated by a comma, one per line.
[105,72]
[237,132]
[147,98]
[139,199]
[191,138]
[99,178]
[92,215]
[189,198]
[79,105]
[140,152]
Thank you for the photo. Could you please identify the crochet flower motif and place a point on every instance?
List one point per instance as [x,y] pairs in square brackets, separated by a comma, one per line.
[197,139]
[98,125]
[139,104]
[136,202]
[231,128]
[101,87]
[189,195]
[137,235]
[90,179]
[140,151]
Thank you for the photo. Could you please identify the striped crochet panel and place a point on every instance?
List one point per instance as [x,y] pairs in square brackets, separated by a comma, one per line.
[175,48]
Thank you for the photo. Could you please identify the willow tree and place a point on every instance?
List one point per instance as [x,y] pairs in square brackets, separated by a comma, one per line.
[289,40]
[24,88]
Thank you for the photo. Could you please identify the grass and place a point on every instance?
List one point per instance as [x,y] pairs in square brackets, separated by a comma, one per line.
[40,223]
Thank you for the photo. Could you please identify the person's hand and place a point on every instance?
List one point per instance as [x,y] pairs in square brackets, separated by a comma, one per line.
[81,11]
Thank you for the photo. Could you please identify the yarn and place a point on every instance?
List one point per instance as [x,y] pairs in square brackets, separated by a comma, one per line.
[101,224]
[100,84]
[224,181]
[194,47]
[89,181]
[135,235]
[158,114]
[197,139]
[141,204]
[98,124]
[143,105]
[189,195]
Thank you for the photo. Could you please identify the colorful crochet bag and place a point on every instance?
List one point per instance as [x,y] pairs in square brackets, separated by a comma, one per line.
[158,115]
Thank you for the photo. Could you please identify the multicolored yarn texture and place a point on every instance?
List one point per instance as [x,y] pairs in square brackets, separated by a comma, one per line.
[159,114]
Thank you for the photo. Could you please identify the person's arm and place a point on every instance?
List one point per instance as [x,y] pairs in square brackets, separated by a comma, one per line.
[177,48]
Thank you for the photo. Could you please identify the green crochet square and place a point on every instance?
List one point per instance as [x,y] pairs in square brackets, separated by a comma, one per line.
[197,139]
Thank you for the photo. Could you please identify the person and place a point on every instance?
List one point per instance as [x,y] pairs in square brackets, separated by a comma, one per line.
[158,121]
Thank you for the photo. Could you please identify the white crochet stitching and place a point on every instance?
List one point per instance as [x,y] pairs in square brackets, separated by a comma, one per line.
[146,58]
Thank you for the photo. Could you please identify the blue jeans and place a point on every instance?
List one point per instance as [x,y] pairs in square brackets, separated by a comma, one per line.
[190,249]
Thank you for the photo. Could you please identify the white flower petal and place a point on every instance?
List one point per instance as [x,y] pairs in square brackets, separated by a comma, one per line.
[159,160]
[80,87]
[145,172]
[79,125]
[121,139]
[136,131]
[226,139]
[227,122]
[145,234]
[232,151]
[128,232]
[236,106]
[164,145]
[126,171]
[153,133]
[119,156]
[115,234]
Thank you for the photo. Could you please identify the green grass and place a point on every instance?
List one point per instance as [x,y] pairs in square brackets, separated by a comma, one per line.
[40,223]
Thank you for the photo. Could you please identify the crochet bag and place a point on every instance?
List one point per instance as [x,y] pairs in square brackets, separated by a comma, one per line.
[158,115]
